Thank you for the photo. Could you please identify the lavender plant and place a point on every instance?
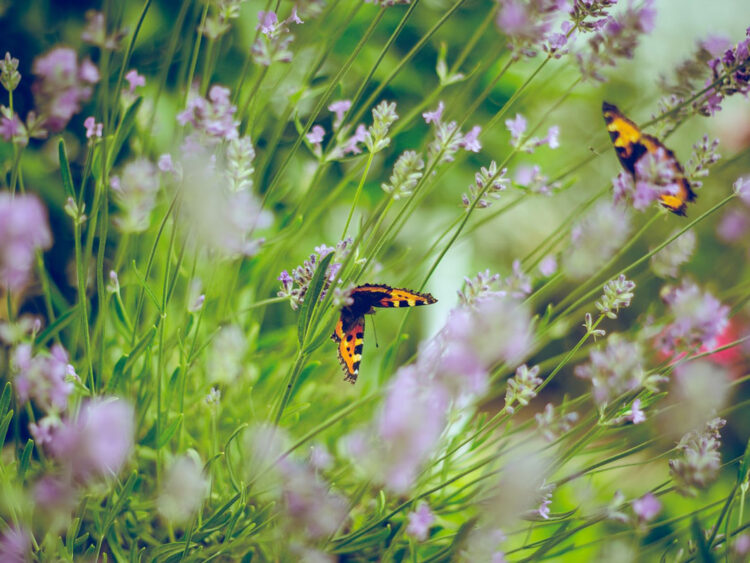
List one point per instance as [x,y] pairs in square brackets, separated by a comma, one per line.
[190,191]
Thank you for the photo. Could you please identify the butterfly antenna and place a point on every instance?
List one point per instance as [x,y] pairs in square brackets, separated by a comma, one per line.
[374,332]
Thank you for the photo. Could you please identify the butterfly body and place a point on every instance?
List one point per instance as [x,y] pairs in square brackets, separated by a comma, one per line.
[350,328]
[631,144]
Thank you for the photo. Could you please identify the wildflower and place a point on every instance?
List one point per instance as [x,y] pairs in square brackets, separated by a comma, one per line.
[548,266]
[15,545]
[482,545]
[134,80]
[12,333]
[93,129]
[61,86]
[295,286]
[24,230]
[741,187]
[733,226]
[135,192]
[342,297]
[320,458]
[95,32]
[43,377]
[434,116]
[224,223]
[225,363]
[597,236]
[482,286]
[526,24]
[617,294]
[741,545]
[518,284]
[590,326]
[470,141]
[183,489]
[384,115]
[11,127]
[308,502]
[212,118]
[420,521]
[532,179]
[616,37]
[272,44]
[522,387]
[699,390]
[730,74]
[699,464]
[666,262]
[647,507]
[517,128]
[406,174]
[495,329]
[315,138]
[551,425]
[405,432]
[699,318]
[488,183]
[10,78]
[98,441]
[339,108]
[616,369]
[704,156]
[636,415]
[350,145]
[213,398]
[219,22]
[239,164]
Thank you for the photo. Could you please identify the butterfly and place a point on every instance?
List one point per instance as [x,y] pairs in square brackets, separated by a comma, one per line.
[631,144]
[350,328]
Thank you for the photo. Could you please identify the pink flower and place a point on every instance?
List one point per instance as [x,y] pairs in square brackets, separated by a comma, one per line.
[435,115]
[266,22]
[98,441]
[93,129]
[316,135]
[15,545]
[420,521]
[134,80]
[470,141]
[646,507]
[62,85]
[23,230]
[339,108]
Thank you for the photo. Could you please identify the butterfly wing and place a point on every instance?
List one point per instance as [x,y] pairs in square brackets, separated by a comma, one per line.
[676,203]
[378,295]
[349,334]
[631,144]
[625,135]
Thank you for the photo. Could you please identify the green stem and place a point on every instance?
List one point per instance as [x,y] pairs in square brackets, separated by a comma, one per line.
[357,194]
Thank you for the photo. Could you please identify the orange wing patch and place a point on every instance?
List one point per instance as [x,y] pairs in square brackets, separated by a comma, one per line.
[350,328]
[394,297]
[350,333]
[631,144]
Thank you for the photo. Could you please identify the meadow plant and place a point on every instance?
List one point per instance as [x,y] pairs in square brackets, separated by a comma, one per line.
[191,192]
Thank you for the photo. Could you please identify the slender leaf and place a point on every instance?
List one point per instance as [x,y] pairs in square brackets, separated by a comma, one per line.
[314,289]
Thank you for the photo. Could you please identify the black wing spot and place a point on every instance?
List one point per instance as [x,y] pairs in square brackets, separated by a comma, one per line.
[360,335]
[358,349]
[403,303]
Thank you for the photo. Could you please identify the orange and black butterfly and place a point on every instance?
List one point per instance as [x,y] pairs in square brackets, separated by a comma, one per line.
[350,328]
[631,144]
